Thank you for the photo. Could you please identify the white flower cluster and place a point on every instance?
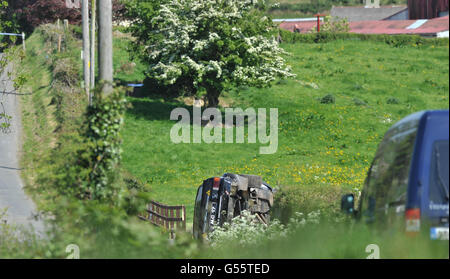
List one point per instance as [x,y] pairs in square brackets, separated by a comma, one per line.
[247,230]
[194,35]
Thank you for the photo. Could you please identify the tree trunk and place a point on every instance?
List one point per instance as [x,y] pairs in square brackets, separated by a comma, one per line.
[212,96]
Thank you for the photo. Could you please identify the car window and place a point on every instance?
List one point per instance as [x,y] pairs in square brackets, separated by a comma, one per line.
[198,210]
[438,190]
[387,182]
[399,170]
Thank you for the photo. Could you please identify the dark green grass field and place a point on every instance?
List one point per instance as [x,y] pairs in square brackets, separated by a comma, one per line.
[325,148]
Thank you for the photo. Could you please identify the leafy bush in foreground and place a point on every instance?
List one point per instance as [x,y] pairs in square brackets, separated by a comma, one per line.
[312,236]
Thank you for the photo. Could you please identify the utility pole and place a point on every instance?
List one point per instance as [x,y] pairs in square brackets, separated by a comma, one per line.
[86,50]
[105,47]
[93,22]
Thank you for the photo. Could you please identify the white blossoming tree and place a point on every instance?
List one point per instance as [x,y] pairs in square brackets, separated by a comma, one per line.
[206,45]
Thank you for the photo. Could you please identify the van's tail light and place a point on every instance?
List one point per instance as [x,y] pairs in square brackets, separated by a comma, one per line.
[412,217]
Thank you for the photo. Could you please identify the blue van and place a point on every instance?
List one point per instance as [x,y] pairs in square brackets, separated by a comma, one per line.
[409,176]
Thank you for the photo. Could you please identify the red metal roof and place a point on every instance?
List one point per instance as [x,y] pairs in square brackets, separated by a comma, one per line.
[431,26]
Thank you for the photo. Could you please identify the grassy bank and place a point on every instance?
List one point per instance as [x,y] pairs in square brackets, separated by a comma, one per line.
[55,108]
[55,151]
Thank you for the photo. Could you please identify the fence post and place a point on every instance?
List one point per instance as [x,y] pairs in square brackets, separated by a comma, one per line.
[59,42]
[184,217]
[23,41]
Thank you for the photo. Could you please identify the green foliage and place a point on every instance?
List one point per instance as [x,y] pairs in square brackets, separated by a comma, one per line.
[5,121]
[333,240]
[105,118]
[359,102]
[85,166]
[18,242]
[393,101]
[328,99]
[3,6]
[17,77]
[143,11]
[8,24]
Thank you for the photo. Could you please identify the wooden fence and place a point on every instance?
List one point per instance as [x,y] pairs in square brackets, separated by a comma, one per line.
[169,217]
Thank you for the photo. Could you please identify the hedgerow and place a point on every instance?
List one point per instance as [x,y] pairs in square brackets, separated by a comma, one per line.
[393,40]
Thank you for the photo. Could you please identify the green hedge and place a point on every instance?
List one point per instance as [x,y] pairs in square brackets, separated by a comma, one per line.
[394,40]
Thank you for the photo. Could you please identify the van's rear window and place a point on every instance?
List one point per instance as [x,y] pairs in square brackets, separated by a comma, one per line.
[439,173]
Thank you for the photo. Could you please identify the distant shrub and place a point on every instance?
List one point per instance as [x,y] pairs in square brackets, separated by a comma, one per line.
[328,99]
[127,67]
[359,102]
[358,87]
[393,101]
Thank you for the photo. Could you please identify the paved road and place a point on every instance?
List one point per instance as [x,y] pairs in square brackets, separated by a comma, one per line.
[20,208]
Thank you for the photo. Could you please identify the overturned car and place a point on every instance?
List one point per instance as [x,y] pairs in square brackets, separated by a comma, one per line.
[220,199]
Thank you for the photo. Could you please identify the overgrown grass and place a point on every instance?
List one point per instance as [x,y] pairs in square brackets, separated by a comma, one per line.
[324,148]
[55,105]
[328,240]
[126,69]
